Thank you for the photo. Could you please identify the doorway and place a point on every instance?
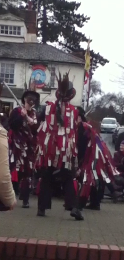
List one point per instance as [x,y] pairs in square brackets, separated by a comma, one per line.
[7,108]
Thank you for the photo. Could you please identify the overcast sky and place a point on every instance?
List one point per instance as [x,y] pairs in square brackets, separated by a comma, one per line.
[106,28]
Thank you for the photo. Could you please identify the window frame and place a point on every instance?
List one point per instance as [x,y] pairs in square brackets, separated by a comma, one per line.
[10,28]
[7,72]
[52,76]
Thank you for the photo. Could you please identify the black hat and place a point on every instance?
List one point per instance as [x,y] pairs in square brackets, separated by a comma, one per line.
[65,90]
[29,93]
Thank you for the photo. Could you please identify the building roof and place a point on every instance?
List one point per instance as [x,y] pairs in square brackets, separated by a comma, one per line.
[17,91]
[36,52]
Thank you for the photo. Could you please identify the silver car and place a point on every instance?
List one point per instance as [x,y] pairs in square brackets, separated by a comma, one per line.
[108,125]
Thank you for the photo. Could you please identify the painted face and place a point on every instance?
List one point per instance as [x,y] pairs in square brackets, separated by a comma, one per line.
[122,147]
[37,77]
[29,102]
[79,119]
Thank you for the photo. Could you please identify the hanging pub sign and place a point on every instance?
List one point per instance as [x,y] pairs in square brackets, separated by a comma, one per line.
[40,76]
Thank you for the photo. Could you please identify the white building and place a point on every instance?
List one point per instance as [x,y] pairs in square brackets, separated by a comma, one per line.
[23,60]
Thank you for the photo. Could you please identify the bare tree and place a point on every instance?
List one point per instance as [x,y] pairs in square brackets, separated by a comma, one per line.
[106,100]
[119,79]
[95,91]
[95,88]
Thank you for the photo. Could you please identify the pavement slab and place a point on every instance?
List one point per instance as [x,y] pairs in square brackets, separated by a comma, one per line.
[99,227]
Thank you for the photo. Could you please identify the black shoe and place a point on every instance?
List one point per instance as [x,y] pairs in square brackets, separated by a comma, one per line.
[75,213]
[41,213]
[25,205]
[92,207]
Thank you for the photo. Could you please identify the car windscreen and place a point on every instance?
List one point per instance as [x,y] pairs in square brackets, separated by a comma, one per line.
[108,121]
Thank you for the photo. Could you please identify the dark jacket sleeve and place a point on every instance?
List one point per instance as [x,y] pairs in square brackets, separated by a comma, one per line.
[41,114]
[15,119]
[82,142]
[118,162]
[118,142]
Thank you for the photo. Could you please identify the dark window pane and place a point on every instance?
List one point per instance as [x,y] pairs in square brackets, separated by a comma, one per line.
[14,32]
[7,71]
[2,65]
[11,81]
[2,70]
[7,76]
[2,75]
[7,81]
[12,71]
[7,66]
[12,66]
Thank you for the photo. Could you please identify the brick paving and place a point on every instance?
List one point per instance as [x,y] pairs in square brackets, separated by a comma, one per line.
[99,227]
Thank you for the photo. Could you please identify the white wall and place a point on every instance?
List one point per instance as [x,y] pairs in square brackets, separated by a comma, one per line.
[31,37]
[76,75]
[23,72]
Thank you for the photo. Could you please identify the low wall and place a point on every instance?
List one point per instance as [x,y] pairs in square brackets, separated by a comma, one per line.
[33,249]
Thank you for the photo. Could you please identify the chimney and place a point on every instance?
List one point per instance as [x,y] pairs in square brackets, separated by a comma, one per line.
[30,4]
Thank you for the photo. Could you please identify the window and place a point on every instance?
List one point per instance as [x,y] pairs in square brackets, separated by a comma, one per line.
[52,78]
[7,72]
[10,30]
[109,121]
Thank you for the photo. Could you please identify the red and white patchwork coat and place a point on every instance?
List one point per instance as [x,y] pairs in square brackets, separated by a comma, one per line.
[97,164]
[57,144]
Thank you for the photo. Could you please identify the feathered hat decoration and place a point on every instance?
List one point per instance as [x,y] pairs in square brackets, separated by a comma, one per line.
[65,90]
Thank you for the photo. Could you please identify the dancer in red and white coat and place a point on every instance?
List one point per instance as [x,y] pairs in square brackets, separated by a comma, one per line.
[58,147]
[96,165]
[23,142]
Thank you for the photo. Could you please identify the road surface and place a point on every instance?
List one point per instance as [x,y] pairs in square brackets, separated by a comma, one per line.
[108,140]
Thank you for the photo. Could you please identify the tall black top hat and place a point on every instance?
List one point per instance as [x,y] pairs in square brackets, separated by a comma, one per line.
[32,95]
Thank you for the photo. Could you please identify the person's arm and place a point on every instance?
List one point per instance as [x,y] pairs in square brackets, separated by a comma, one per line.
[118,164]
[118,141]
[7,194]
[15,119]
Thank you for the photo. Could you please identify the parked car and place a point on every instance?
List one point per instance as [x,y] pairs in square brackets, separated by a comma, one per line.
[108,125]
[116,133]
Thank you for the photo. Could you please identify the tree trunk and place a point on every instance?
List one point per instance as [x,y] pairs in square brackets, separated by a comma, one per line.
[44,26]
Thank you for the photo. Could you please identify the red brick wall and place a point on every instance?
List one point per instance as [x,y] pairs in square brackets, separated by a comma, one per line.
[33,249]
